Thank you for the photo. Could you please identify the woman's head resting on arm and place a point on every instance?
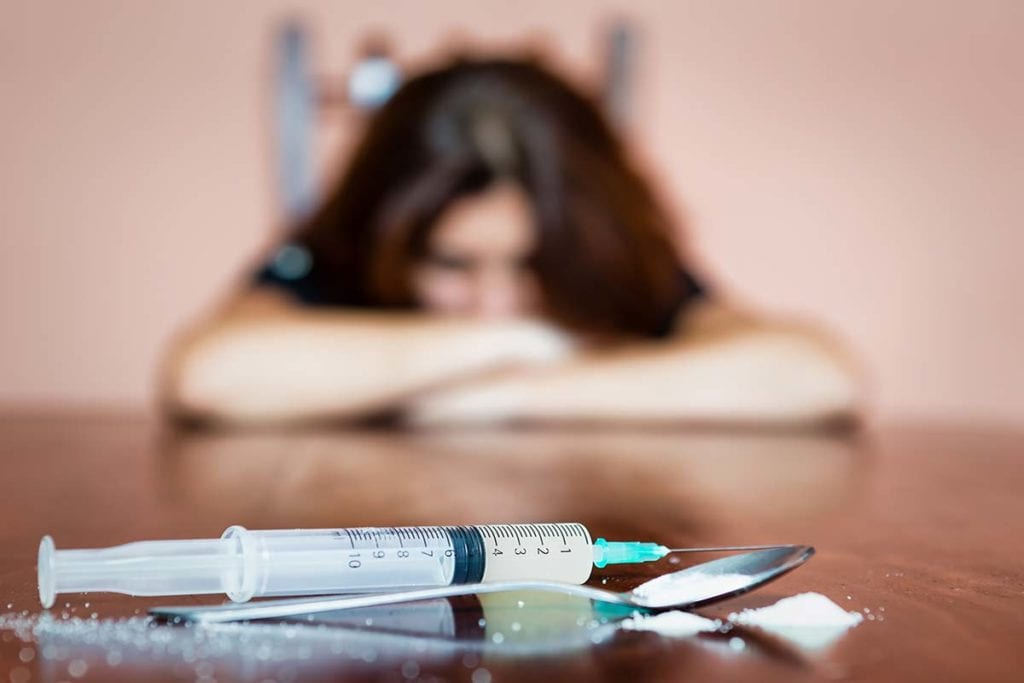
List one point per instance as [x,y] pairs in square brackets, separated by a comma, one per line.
[478,258]
[493,189]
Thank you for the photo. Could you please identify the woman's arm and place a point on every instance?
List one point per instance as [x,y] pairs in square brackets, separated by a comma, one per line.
[266,360]
[723,368]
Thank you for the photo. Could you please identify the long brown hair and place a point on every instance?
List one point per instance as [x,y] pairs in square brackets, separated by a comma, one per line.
[606,260]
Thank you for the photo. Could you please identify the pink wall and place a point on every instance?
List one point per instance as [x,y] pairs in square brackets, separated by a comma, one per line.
[857,162]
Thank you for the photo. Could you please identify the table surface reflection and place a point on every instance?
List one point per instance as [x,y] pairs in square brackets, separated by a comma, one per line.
[922,527]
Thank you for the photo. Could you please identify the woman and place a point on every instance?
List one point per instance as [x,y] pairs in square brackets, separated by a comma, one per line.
[491,255]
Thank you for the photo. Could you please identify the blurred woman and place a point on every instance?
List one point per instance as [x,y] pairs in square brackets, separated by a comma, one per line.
[492,255]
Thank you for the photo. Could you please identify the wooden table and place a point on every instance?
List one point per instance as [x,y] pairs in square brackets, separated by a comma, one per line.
[923,526]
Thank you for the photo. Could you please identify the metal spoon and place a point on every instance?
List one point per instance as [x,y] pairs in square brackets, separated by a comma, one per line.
[690,587]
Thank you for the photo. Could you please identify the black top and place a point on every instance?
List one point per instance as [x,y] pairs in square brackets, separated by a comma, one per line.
[292,270]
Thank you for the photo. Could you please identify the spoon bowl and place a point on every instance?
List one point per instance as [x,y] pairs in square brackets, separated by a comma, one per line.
[698,585]
[719,579]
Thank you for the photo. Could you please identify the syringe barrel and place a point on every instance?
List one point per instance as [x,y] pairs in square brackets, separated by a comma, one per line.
[320,561]
[549,552]
[245,564]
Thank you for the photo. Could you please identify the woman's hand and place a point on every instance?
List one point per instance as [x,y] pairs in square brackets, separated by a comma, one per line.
[489,400]
[529,342]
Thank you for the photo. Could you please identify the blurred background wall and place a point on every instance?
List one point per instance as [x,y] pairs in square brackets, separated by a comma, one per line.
[856,162]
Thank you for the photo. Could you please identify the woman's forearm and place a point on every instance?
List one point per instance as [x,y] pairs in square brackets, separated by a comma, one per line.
[755,376]
[299,365]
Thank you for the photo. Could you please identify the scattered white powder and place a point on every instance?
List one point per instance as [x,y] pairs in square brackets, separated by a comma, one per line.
[673,624]
[689,586]
[810,620]
[77,668]
[77,643]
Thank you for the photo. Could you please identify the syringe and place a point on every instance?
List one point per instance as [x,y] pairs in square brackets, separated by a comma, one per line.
[245,564]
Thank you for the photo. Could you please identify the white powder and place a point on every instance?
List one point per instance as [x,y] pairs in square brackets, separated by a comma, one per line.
[672,624]
[137,640]
[810,620]
[687,586]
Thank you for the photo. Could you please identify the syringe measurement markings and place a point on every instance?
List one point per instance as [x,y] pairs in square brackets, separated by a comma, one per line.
[495,532]
[351,534]
[568,530]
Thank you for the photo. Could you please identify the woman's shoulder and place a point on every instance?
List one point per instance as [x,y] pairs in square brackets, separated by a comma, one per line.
[289,268]
[292,268]
[693,287]
[693,291]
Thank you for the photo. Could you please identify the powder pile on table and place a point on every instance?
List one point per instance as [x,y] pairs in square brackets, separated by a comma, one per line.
[810,620]
[673,624]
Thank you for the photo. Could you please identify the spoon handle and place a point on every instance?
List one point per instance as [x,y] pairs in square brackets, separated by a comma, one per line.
[276,609]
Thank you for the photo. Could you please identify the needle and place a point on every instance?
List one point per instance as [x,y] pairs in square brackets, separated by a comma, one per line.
[729,548]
